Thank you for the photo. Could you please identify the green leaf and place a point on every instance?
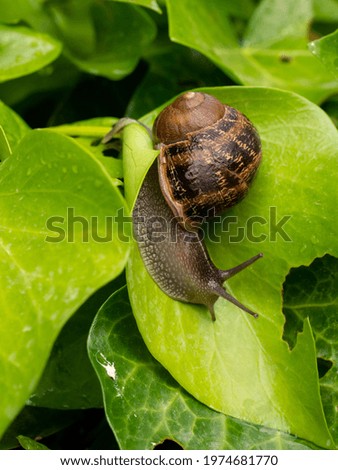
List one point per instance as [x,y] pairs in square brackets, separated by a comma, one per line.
[326,11]
[29,444]
[240,8]
[268,57]
[74,25]
[189,22]
[312,292]
[23,51]
[61,74]
[144,405]
[13,11]
[239,365]
[89,134]
[13,126]
[69,381]
[277,23]
[152,4]
[60,241]
[120,34]
[326,51]
[135,169]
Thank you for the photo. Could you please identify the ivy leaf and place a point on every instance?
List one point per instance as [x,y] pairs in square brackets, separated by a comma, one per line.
[58,208]
[12,12]
[136,168]
[326,11]
[23,51]
[312,292]
[89,133]
[273,51]
[115,35]
[326,51]
[239,365]
[144,405]
[279,24]
[68,381]
[240,9]
[29,444]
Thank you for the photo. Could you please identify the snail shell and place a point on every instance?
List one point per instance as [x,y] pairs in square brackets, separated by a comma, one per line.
[209,155]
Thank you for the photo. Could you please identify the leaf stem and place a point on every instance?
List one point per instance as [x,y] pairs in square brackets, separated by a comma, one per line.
[83,131]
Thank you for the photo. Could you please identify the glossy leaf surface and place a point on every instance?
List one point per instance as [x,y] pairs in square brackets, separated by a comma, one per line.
[23,51]
[272,52]
[326,51]
[144,405]
[115,35]
[57,219]
[312,292]
[239,365]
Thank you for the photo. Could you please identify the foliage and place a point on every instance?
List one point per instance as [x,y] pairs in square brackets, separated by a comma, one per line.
[65,234]
[29,444]
[211,348]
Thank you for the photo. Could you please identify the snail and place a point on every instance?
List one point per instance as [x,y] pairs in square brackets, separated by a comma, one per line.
[175,258]
[209,154]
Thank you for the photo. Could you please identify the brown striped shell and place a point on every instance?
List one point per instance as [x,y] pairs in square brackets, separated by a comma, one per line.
[209,154]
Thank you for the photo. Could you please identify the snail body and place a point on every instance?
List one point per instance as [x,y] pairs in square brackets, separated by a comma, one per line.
[209,154]
[175,258]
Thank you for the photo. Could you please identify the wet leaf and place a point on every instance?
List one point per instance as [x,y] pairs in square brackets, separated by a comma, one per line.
[119,33]
[69,381]
[145,406]
[239,365]
[326,51]
[312,292]
[57,248]
[272,53]
[29,444]
[23,51]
